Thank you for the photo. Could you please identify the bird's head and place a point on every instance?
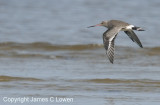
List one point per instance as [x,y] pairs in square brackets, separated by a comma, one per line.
[103,23]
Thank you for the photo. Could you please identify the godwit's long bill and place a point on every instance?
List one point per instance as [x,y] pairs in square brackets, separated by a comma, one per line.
[114,26]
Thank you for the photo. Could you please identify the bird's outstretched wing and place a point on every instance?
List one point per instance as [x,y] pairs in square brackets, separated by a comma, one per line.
[108,40]
[133,37]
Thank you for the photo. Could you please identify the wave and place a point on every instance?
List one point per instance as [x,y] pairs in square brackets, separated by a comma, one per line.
[45,46]
[46,50]
[50,46]
[133,81]
[9,78]
[153,51]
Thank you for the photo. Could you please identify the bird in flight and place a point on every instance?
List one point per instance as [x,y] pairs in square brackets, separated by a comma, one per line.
[114,26]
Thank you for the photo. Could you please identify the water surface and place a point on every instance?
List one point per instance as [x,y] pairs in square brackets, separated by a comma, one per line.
[47,51]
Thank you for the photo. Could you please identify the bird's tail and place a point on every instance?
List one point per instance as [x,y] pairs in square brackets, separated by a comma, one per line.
[137,28]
